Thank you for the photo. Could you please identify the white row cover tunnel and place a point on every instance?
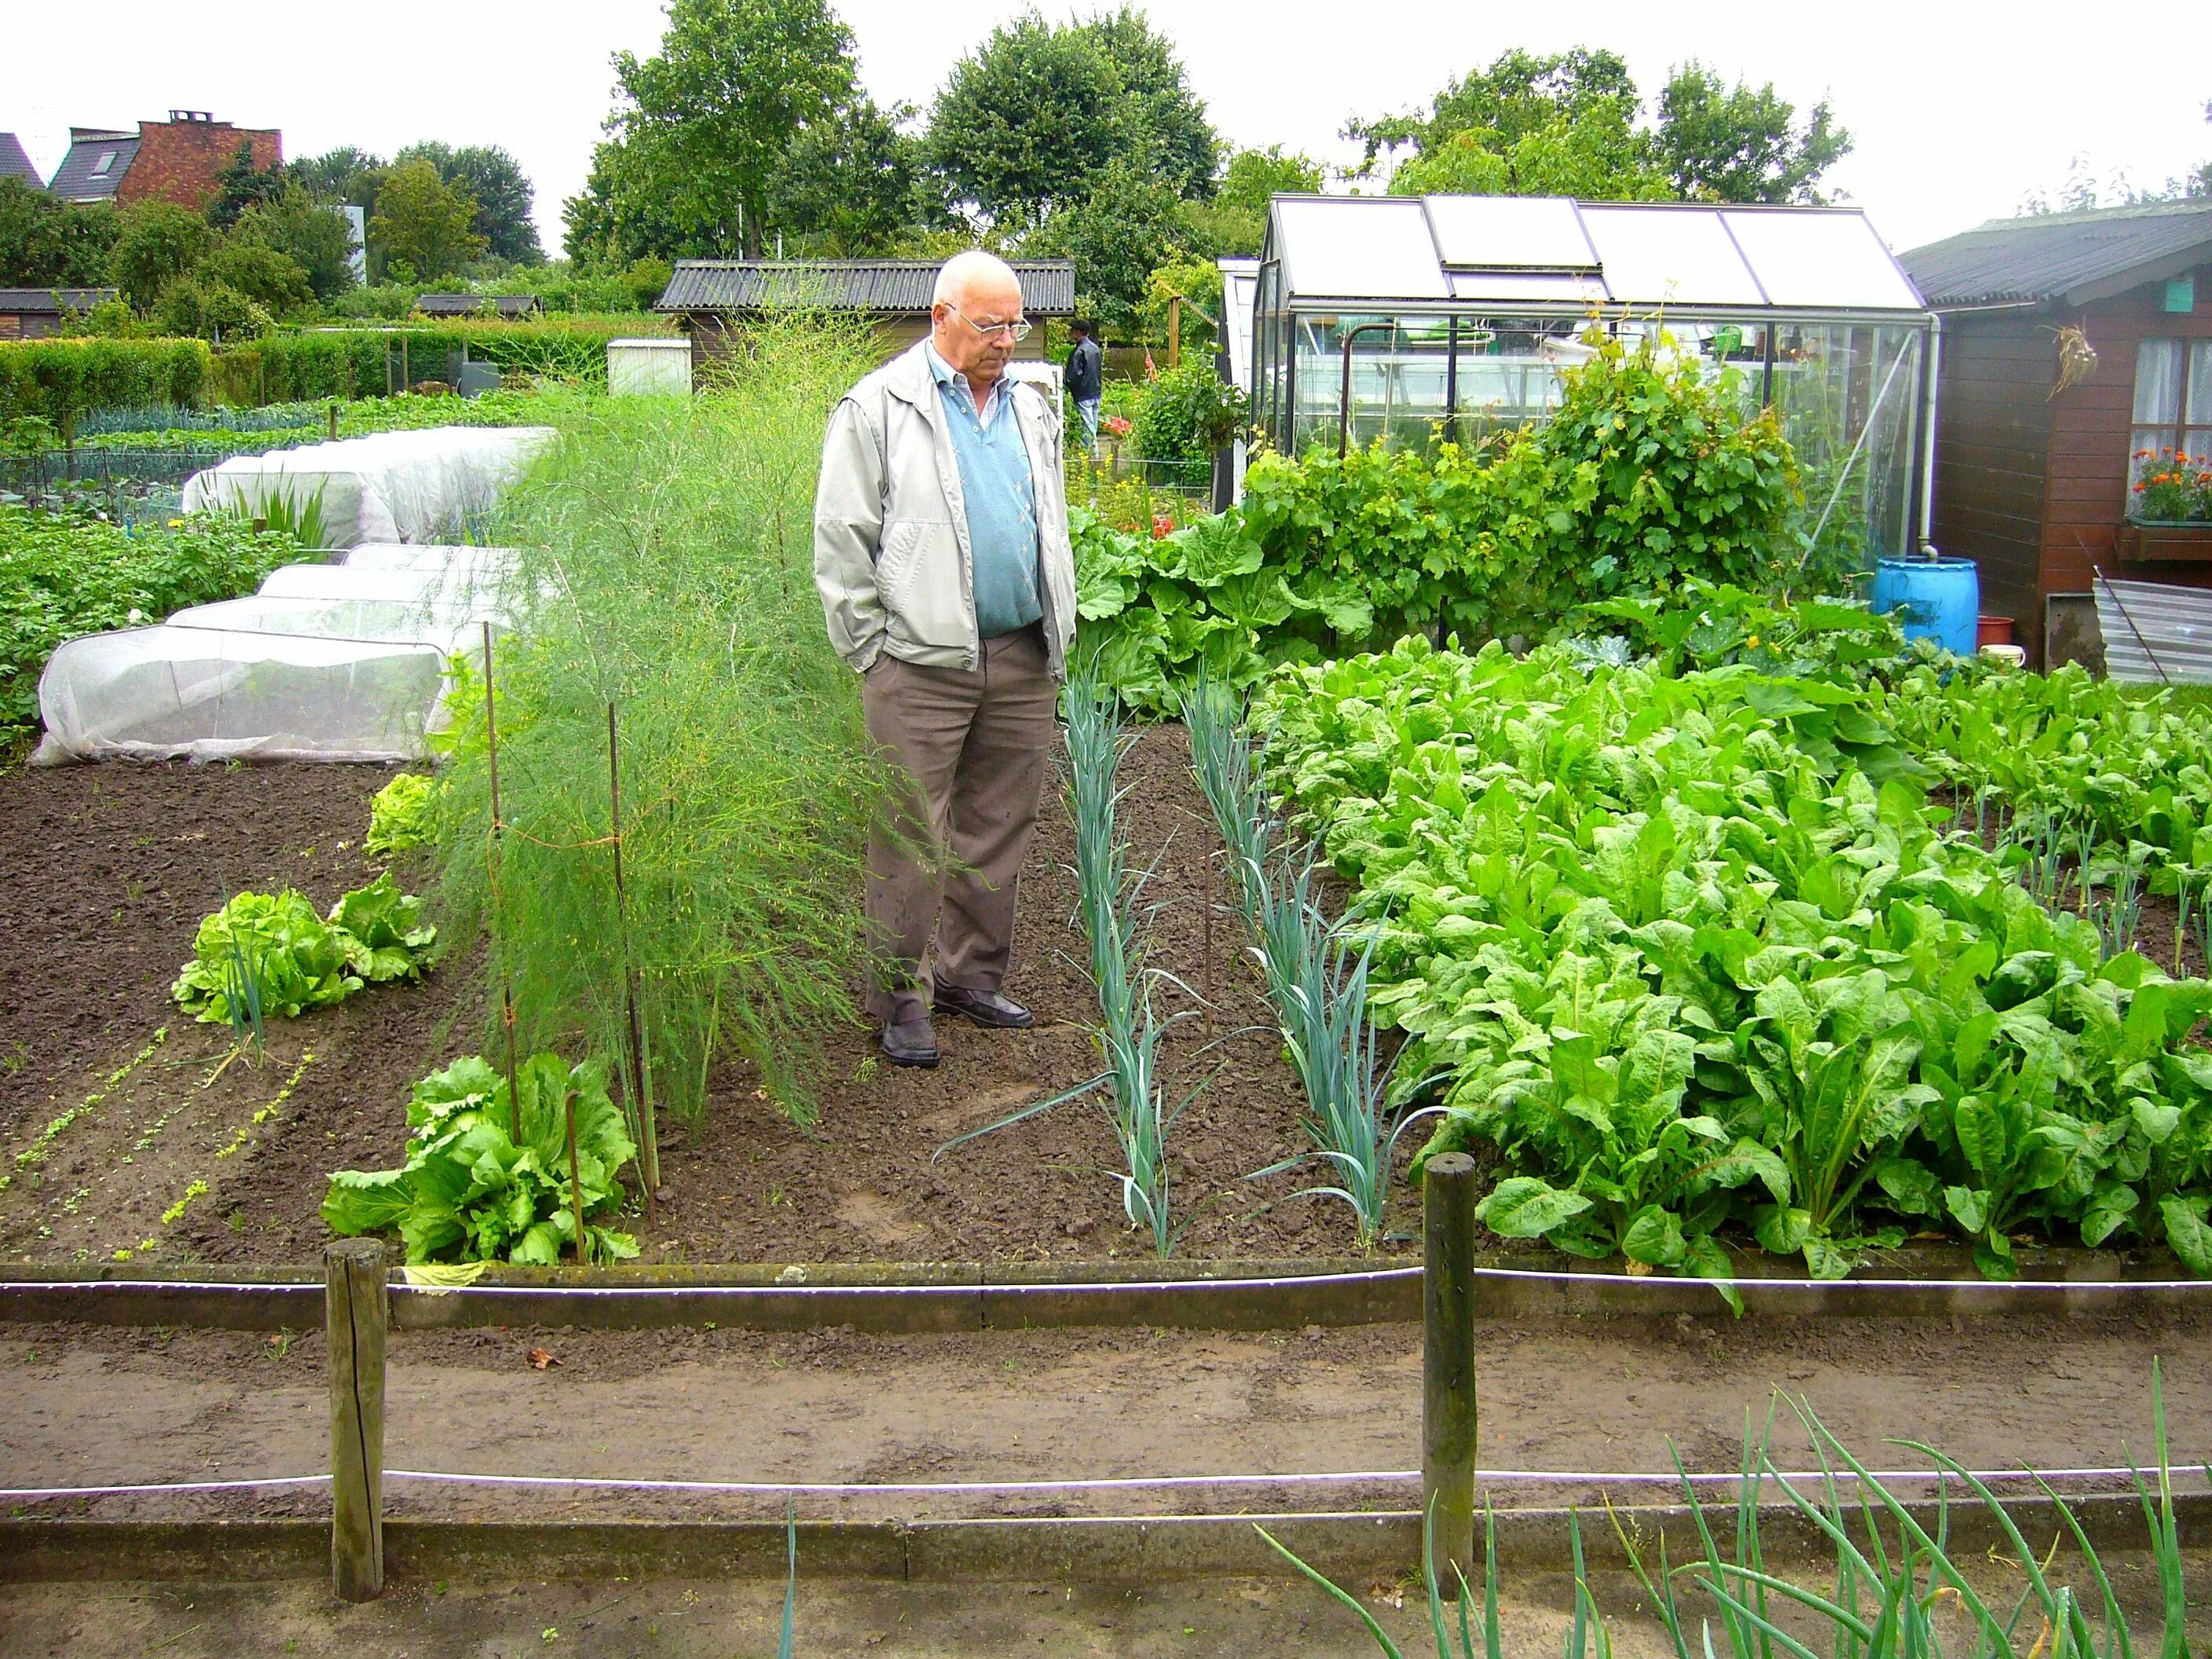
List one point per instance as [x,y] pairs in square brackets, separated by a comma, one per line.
[344,662]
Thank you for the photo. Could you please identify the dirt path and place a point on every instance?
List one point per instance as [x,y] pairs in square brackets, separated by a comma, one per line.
[84,1408]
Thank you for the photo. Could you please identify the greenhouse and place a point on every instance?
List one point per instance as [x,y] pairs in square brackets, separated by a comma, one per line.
[1417,320]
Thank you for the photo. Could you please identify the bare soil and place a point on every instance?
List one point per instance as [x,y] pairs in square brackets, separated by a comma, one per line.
[92,1406]
[112,867]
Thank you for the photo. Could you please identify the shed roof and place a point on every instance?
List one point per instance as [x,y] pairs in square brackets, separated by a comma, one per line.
[2076,257]
[1446,251]
[81,178]
[15,164]
[51,301]
[894,287]
[468,305]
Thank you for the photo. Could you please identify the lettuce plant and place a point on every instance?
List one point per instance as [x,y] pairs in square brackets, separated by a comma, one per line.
[471,1191]
[270,954]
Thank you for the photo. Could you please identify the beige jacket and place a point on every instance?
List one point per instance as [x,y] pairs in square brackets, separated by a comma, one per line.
[891,556]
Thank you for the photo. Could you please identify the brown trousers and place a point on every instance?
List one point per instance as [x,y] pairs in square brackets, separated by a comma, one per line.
[974,746]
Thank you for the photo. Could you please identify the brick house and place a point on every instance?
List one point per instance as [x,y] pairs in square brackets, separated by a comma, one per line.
[179,160]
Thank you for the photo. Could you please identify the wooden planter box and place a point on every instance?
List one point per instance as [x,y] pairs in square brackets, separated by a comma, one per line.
[2153,543]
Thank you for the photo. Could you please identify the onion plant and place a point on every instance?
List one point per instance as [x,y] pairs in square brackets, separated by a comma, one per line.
[1106,890]
[1900,1591]
[1229,776]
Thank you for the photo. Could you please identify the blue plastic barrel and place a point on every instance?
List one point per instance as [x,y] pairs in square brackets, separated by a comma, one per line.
[1939,599]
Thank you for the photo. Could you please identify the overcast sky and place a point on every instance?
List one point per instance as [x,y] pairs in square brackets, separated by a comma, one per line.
[1957,111]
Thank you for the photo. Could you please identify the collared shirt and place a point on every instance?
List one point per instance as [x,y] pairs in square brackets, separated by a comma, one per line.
[1000,497]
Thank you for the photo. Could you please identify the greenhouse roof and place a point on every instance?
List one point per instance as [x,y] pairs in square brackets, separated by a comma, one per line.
[1444,251]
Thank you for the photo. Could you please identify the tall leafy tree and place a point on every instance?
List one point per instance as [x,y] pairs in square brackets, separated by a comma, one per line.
[703,130]
[1567,124]
[1725,143]
[159,243]
[850,185]
[503,193]
[425,222]
[1029,122]
[1235,221]
[1125,229]
[240,186]
[309,233]
[343,174]
[45,242]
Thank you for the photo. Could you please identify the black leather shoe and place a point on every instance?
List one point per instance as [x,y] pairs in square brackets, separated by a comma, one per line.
[909,1042]
[985,1008]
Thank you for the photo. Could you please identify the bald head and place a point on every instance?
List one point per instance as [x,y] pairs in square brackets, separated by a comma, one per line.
[976,293]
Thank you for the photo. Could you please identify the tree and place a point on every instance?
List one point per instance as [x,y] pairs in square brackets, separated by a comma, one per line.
[1732,144]
[425,222]
[344,174]
[1118,236]
[1567,125]
[159,242]
[212,310]
[315,237]
[704,128]
[850,185]
[1235,221]
[272,280]
[502,191]
[1519,93]
[241,185]
[45,242]
[1029,122]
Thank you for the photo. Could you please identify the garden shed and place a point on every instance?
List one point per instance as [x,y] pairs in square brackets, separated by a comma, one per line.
[710,296]
[1461,313]
[2073,344]
[32,313]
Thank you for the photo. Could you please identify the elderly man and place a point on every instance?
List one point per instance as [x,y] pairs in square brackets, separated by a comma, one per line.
[941,552]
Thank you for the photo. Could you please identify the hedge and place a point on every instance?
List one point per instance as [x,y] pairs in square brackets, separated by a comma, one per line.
[57,380]
[356,362]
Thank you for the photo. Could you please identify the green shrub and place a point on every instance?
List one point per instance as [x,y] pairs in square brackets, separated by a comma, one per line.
[1186,414]
[63,573]
[211,311]
[1646,479]
[57,380]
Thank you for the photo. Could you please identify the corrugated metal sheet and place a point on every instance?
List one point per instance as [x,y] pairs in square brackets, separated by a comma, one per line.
[49,301]
[2047,255]
[469,305]
[2155,634]
[895,287]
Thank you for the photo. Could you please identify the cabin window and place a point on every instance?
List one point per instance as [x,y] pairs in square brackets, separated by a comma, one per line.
[99,169]
[2173,400]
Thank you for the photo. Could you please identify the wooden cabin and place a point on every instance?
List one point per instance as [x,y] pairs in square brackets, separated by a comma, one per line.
[709,297]
[2071,343]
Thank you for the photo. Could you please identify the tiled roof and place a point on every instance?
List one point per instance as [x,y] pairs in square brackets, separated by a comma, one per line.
[15,164]
[49,301]
[2056,255]
[895,287]
[80,177]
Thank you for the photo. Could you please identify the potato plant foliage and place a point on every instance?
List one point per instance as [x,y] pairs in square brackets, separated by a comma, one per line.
[1696,948]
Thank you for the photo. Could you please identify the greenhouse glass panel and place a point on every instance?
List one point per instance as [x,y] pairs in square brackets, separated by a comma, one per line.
[1358,248]
[1398,373]
[1847,398]
[1509,232]
[1670,256]
[1820,260]
[1527,288]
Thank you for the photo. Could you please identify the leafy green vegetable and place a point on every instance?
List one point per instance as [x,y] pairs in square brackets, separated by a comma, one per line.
[404,814]
[470,1192]
[1697,949]
[273,951]
[62,574]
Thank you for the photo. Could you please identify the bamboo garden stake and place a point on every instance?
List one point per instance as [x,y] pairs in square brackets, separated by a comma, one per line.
[506,989]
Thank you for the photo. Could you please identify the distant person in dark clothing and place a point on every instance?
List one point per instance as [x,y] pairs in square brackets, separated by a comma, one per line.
[1086,378]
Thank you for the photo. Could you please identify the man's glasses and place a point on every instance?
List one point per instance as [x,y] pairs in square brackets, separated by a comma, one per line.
[1017,329]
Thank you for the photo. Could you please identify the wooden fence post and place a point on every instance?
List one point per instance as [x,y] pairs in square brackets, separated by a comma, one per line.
[1448,1384]
[354,1312]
